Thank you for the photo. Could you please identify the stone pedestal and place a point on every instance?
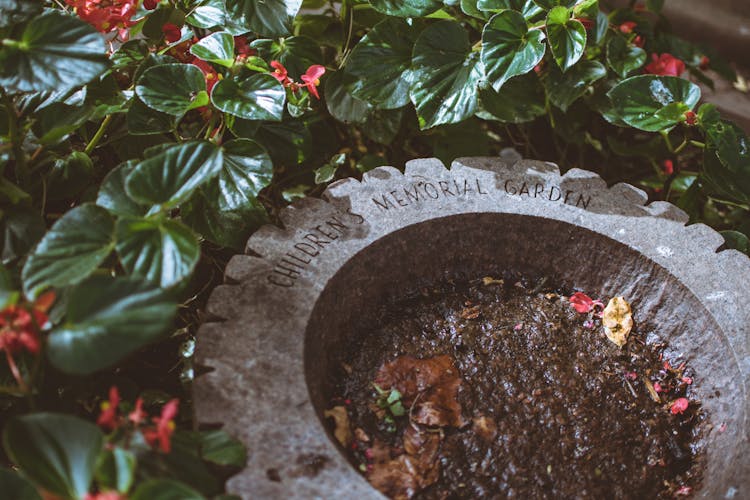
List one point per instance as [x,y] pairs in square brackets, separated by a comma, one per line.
[290,303]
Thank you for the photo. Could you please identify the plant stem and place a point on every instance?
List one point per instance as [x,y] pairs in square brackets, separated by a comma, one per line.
[16,141]
[665,136]
[98,135]
[698,144]
[16,372]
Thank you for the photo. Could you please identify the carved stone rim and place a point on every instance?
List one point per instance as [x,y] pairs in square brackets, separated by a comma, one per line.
[257,387]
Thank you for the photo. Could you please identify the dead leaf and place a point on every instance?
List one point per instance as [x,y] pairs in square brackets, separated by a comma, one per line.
[470,313]
[484,427]
[361,435]
[342,431]
[489,280]
[617,319]
[433,383]
[651,390]
[404,476]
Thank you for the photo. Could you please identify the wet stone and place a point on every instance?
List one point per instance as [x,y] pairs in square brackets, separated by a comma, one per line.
[292,306]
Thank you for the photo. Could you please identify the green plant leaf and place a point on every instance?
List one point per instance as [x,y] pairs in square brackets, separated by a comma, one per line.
[107,319]
[57,121]
[737,241]
[639,99]
[509,48]
[382,125]
[20,228]
[116,469]
[220,448]
[340,103]
[142,120]
[624,58]
[566,37]
[550,4]
[446,74]
[264,17]
[728,183]
[54,51]
[17,11]
[216,48]
[527,8]
[169,177]
[112,194]
[246,170]
[58,452]
[165,489]
[70,176]
[227,210]
[406,8]
[296,53]
[163,252]
[13,485]
[257,97]
[71,250]
[565,88]
[174,89]
[381,64]
[729,140]
[520,100]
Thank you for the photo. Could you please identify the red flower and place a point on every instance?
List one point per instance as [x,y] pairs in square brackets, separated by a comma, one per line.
[627,27]
[108,418]
[106,15]
[679,406]
[690,118]
[150,4]
[638,41]
[172,32]
[104,495]
[20,325]
[705,62]
[137,415]
[242,48]
[587,23]
[582,303]
[280,73]
[665,65]
[209,73]
[164,428]
[667,167]
[312,78]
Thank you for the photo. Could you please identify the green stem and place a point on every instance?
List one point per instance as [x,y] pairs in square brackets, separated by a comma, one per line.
[698,144]
[681,147]
[16,141]
[98,135]
[665,136]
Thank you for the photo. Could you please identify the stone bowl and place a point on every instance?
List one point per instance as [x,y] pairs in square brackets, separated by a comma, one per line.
[290,304]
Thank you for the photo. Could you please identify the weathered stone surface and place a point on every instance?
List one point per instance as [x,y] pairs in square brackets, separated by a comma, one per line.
[288,306]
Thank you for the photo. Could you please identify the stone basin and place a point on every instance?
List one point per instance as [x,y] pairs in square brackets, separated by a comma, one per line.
[290,304]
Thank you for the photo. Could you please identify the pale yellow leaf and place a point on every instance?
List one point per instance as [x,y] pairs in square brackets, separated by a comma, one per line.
[617,319]
[343,431]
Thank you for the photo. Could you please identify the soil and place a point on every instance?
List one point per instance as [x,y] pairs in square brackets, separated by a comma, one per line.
[545,405]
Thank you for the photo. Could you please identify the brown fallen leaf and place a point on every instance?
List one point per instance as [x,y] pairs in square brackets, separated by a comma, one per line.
[361,435]
[405,475]
[470,313]
[431,385]
[617,319]
[484,427]
[342,432]
[489,280]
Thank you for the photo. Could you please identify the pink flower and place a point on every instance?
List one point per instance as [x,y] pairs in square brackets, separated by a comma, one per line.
[312,79]
[280,73]
[631,376]
[657,387]
[108,418]
[106,15]
[628,27]
[679,406]
[687,380]
[705,62]
[638,41]
[162,432]
[667,166]
[209,73]
[582,303]
[665,65]
[137,415]
[105,495]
